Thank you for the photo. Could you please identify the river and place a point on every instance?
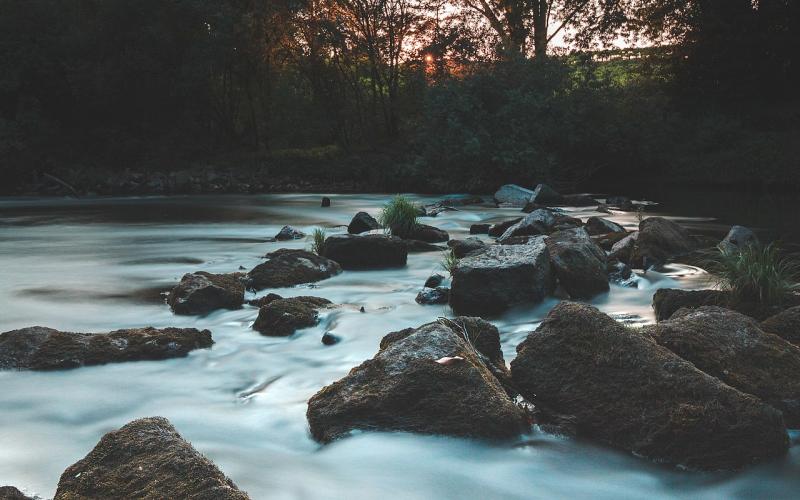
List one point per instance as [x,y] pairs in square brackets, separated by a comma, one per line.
[96,265]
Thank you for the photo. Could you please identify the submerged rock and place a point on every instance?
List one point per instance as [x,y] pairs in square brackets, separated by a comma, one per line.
[428,234]
[462,248]
[326,202]
[40,348]
[731,347]
[501,276]
[738,238]
[621,274]
[146,458]
[372,251]
[618,386]
[599,225]
[285,267]
[202,292]
[578,262]
[330,339]
[289,233]
[429,296]
[666,301]
[785,324]
[621,202]
[661,239]
[427,380]
[282,317]
[513,195]
[362,222]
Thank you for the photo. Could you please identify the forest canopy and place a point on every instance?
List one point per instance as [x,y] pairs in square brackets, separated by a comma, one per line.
[455,94]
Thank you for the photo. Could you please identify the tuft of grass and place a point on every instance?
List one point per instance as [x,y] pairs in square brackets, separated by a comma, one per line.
[318,240]
[449,261]
[760,275]
[399,216]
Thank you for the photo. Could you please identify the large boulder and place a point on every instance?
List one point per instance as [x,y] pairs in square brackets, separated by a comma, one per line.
[667,301]
[599,225]
[738,238]
[202,292]
[146,458]
[428,380]
[362,222]
[501,276]
[286,267]
[539,221]
[785,324]
[371,251]
[578,262]
[462,248]
[511,194]
[545,195]
[289,233]
[661,239]
[732,347]
[618,386]
[282,317]
[428,234]
[40,348]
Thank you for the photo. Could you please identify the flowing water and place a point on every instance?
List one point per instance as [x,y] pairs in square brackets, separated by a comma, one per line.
[97,265]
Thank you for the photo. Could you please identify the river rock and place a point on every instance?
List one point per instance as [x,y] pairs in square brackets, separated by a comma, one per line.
[618,386]
[12,493]
[621,202]
[539,221]
[785,324]
[434,280]
[202,292]
[621,274]
[282,317]
[497,230]
[146,458]
[428,234]
[285,267]
[578,200]
[578,262]
[480,229]
[624,250]
[430,296]
[599,225]
[426,380]
[462,248]
[326,202]
[511,194]
[491,281]
[41,348]
[661,239]
[738,238]
[362,222]
[289,233]
[732,347]
[545,195]
[666,301]
[371,251]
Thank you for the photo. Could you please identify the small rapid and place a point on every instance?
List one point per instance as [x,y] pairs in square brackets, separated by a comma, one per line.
[97,265]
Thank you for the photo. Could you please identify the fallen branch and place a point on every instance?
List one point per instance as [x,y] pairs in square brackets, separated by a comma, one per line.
[59,181]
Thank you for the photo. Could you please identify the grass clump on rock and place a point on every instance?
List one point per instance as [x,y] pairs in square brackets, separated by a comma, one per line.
[399,216]
[317,240]
[449,261]
[761,276]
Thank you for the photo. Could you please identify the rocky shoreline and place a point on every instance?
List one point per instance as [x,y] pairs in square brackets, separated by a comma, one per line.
[708,387]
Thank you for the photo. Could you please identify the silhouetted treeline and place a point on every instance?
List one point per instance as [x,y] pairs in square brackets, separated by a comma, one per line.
[458,94]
